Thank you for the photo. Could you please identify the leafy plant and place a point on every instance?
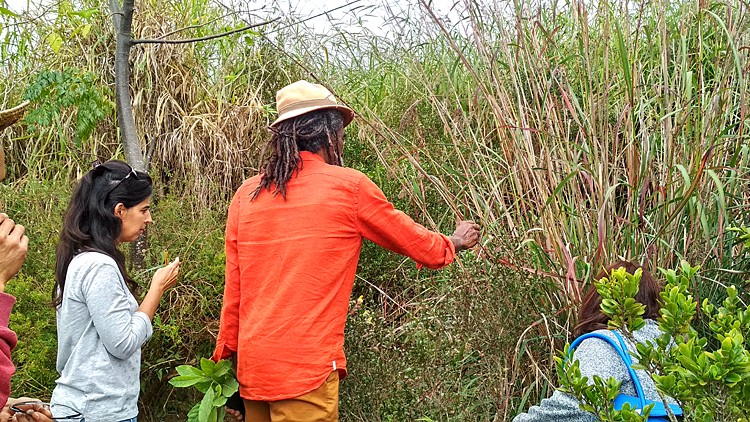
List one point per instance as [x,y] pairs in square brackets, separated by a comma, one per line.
[709,377]
[53,91]
[215,380]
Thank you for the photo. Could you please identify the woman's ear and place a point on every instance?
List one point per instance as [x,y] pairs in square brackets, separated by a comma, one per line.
[119,210]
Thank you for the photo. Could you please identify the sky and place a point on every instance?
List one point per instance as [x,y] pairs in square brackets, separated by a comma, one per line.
[370,14]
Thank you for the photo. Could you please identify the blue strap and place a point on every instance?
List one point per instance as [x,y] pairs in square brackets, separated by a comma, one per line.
[621,350]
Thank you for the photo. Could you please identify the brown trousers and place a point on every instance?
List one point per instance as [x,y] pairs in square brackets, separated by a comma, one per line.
[319,405]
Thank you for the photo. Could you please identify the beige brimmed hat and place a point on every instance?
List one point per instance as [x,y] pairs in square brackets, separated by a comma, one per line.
[10,116]
[303,97]
[7,118]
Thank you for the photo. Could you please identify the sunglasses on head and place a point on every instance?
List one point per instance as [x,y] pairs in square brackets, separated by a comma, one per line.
[96,164]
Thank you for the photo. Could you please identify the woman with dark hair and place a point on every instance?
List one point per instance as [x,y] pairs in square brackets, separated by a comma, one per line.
[598,357]
[100,326]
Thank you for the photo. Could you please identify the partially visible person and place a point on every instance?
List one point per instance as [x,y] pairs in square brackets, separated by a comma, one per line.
[13,246]
[293,239]
[597,357]
[100,325]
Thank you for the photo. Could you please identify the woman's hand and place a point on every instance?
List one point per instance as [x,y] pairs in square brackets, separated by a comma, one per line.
[166,277]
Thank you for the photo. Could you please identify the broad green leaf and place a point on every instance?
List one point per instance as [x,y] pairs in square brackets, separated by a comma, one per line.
[86,14]
[85,30]
[186,380]
[221,369]
[189,370]
[219,401]
[230,387]
[54,40]
[206,406]
[208,366]
[193,413]
[8,12]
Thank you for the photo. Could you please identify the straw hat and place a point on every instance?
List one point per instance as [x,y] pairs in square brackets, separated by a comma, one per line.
[303,97]
[7,118]
[10,116]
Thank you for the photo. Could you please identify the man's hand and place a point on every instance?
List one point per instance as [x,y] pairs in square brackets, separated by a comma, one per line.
[34,413]
[13,247]
[234,415]
[465,236]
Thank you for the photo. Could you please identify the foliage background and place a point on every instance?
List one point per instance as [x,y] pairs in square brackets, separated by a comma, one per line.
[576,133]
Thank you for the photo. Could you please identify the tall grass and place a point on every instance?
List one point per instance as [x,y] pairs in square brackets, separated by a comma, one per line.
[575,133]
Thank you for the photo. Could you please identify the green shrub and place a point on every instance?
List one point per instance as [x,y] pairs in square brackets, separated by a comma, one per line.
[708,376]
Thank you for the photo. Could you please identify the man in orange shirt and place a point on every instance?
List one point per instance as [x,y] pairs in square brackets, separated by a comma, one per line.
[293,238]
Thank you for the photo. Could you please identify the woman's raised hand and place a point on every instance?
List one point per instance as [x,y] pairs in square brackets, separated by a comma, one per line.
[166,277]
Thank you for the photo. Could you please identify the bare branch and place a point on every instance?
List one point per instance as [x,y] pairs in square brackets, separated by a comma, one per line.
[194,26]
[324,13]
[210,37]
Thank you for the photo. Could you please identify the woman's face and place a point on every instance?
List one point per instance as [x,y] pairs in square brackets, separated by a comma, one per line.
[134,220]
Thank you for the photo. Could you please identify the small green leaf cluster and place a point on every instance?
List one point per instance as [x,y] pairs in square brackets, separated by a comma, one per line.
[215,380]
[710,377]
[743,234]
[618,299]
[53,92]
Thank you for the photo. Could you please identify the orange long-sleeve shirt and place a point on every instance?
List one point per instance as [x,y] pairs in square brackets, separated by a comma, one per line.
[290,270]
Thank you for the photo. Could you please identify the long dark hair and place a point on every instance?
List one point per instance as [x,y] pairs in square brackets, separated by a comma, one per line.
[90,223]
[590,315]
[312,132]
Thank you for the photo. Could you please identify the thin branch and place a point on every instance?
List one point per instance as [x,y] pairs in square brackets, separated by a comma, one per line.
[324,13]
[210,37]
[194,26]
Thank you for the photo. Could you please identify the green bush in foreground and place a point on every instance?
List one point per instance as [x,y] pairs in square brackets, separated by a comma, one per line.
[708,376]
[216,381]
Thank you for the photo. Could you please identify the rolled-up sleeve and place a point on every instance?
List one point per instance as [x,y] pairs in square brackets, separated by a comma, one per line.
[121,330]
[381,223]
[8,342]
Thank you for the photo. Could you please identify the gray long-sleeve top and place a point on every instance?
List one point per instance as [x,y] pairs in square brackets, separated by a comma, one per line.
[596,357]
[100,335]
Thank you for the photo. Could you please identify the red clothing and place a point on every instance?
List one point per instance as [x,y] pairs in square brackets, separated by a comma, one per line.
[8,341]
[290,271]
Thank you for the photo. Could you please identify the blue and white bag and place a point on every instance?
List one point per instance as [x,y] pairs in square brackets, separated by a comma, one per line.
[658,412]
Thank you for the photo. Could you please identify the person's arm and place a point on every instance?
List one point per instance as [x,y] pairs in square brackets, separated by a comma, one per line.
[226,341]
[380,222]
[13,247]
[560,407]
[122,331]
[8,342]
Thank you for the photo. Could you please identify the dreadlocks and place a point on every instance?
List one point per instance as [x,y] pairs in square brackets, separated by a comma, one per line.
[311,132]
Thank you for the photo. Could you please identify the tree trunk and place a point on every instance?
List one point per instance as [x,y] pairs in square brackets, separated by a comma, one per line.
[123,22]
[122,18]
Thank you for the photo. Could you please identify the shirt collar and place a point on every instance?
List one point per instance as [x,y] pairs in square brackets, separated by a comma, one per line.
[310,156]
